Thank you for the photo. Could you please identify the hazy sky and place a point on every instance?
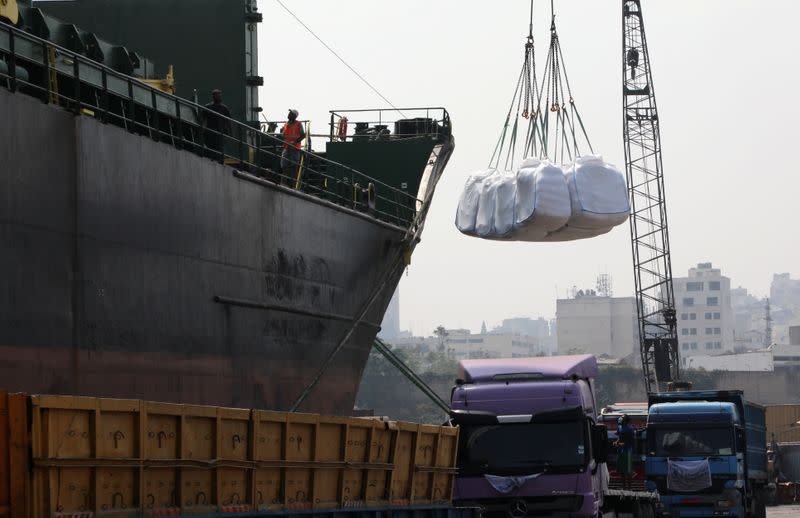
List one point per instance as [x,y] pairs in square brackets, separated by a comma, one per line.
[728,88]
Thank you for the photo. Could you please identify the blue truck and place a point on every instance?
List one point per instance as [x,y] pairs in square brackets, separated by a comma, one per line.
[706,454]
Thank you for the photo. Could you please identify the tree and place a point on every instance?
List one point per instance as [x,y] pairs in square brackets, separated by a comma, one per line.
[442,334]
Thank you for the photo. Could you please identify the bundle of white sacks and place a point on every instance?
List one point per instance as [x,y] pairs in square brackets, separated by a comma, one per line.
[544,201]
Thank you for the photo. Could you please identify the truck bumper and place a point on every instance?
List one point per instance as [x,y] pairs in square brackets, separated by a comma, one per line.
[698,511]
[561,506]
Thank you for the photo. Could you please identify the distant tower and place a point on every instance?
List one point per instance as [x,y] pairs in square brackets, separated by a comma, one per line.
[390,327]
[768,332]
[483,327]
[605,285]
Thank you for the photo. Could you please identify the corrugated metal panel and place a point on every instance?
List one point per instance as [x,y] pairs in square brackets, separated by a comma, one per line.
[790,461]
[782,423]
[93,455]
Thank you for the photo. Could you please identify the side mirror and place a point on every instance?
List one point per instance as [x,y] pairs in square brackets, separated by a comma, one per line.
[600,443]
[741,443]
[641,442]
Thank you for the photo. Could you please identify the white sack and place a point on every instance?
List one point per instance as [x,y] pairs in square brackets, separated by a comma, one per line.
[467,211]
[542,204]
[505,186]
[484,222]
[598,194]
[568,233]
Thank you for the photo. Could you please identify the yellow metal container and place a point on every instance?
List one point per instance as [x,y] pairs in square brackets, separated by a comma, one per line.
[117,457]
[783,423]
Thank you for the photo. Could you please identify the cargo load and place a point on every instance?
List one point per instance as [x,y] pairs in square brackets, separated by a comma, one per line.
[544,201]
[581,198]
[66,455]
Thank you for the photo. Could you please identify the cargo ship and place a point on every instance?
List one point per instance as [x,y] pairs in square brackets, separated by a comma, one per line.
[140,261]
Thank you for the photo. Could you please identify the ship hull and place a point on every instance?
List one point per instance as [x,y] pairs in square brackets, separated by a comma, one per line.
[135,269]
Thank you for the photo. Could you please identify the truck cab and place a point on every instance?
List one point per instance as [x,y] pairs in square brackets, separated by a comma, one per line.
[609,416]
[529,443]
[706,454]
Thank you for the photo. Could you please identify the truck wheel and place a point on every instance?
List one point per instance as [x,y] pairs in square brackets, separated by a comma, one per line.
[643,510]
[761,509]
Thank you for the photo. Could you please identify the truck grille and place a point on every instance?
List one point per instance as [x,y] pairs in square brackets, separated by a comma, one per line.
[550,506]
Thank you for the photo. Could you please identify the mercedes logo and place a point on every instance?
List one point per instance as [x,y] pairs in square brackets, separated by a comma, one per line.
[518,509]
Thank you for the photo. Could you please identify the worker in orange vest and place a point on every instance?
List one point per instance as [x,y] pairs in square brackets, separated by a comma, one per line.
[293,135]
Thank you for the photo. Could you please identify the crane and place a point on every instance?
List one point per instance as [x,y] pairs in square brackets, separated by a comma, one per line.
[655,299]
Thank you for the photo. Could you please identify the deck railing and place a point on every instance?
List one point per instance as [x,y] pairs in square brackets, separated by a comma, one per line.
[56,75]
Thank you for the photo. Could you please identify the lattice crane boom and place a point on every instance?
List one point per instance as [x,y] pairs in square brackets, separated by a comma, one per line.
[655,299]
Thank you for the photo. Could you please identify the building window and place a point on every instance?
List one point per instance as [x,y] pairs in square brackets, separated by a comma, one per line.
[713,285]
[684,316]
[693,316]
[684,331]
[685,347]
[709,345]
[694,346]
[693,331]
[712,301]
[708,316]
[688,301]
[717,345]
[717,331]
[716,316]
[708,331]
[694,286]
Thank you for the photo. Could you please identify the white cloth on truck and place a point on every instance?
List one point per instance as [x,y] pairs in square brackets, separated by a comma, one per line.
[598,194]
[688,475]
[509,484]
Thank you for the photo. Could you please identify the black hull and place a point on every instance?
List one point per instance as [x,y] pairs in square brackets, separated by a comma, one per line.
[134,269]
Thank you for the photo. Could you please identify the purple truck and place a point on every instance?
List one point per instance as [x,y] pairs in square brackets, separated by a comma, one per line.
[529,443]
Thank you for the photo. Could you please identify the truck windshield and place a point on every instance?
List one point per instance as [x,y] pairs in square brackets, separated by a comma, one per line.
[522,448]
[671,442]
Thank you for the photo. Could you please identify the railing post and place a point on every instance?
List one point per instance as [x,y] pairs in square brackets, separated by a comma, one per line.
[76,71]
[131,107]
[155,115]
[104,99]
[12,63]
[332,124]
[179,123]
[46,78]
[241,143]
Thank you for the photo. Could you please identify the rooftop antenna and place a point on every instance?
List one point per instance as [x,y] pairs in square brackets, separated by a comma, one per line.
[768,332]
[605,285]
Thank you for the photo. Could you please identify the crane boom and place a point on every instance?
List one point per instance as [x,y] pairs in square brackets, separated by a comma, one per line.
[658,338]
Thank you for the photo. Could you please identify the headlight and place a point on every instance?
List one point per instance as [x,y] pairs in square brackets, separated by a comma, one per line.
[724,504]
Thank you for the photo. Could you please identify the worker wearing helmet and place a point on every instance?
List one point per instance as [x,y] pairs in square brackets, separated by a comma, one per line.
[292,134]
[624,444]
[216,117]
